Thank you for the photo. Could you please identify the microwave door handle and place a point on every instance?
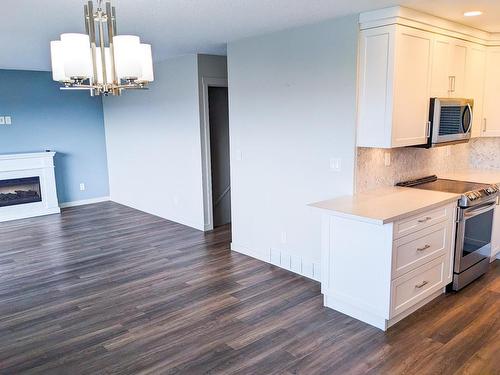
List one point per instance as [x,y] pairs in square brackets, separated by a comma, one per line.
[471,119]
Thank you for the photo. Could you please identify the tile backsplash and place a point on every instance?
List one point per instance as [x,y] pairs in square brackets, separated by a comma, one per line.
[410,163]
[485,153]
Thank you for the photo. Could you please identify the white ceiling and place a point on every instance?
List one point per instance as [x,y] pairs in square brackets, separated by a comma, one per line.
[177,27]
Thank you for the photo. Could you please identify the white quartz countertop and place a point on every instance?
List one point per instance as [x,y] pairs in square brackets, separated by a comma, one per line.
[474,175]
[386,205]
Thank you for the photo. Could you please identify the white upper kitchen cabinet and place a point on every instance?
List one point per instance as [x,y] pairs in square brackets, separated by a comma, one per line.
[449,58]
[394,86]
[459,51]
[491,107]
[406,58]
[474,84]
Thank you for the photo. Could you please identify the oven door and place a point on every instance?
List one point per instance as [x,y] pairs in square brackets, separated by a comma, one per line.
[452,120]
[474,233]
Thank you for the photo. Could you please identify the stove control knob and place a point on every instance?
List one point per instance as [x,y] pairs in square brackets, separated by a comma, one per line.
[471,196]
[492,189]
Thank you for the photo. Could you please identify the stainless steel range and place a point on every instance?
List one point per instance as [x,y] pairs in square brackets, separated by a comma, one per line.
[474,224]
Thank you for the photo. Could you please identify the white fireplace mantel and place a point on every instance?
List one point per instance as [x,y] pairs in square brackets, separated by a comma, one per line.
[38,164]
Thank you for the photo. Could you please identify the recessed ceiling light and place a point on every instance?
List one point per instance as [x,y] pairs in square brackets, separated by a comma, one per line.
[473,13]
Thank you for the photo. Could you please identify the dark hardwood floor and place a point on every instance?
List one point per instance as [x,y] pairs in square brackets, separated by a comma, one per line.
[104,289]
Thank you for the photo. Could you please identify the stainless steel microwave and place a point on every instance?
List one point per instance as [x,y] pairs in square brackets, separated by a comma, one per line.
[450,121]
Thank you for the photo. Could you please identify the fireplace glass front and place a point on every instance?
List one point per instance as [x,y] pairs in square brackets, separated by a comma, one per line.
[20,191]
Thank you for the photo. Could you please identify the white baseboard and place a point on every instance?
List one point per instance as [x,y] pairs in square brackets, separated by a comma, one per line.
[282,259]
[83,202]
[28,215]
[178,220]
[254,254]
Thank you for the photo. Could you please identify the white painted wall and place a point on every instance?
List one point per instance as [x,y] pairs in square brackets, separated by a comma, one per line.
[153,145]
[292,106]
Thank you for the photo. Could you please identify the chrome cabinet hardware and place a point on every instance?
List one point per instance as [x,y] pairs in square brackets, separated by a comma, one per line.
[424,220]
[423,248]
[451,83]
[422,284]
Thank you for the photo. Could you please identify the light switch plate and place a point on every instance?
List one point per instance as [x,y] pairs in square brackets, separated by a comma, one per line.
[8,120]
[2,120]
[335,164]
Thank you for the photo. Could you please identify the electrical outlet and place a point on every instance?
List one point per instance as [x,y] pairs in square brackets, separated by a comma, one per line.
[335,164]
[8,120]
[82,186]
[2,120]
[387,159]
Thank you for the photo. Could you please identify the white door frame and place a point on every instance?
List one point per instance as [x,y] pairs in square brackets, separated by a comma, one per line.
[207,82]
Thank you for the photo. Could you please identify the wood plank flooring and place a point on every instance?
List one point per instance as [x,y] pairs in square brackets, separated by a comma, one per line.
[105,289]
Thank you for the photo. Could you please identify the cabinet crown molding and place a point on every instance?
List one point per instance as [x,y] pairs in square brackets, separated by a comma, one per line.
[412,18]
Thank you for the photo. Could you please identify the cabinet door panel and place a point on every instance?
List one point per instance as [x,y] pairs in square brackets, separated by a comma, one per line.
[440,76]
[457,69]
[412,87]
[375,73]
[474,84]
[491,108]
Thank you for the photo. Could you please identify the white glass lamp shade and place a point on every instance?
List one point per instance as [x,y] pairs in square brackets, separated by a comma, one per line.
[128,61]
[109,76]
[77,55]
[146,64]
[57,59]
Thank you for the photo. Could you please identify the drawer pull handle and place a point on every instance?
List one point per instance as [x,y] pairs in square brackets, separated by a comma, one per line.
[422,284]
[423,248]
[425,219]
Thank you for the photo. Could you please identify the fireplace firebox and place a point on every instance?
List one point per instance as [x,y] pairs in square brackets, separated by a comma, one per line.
[20,191]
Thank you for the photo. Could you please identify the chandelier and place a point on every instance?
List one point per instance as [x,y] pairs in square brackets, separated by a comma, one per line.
[100,60]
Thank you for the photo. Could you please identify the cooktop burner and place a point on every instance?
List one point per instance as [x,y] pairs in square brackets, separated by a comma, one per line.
[452,186]
[472,192]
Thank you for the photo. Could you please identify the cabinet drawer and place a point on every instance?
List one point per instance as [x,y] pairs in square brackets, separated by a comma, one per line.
[416,285]
[424,220]
[414,250]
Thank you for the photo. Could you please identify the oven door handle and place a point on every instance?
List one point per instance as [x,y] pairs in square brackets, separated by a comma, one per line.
[479,209]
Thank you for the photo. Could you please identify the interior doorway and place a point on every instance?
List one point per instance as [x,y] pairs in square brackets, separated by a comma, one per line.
[216,153]
[218,114]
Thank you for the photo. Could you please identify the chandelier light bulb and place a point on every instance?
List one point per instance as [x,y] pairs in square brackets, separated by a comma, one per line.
[127,56]
[146,63]
[57,58]
[76,55]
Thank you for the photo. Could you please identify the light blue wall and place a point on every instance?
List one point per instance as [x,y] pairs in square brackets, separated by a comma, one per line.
[70,123]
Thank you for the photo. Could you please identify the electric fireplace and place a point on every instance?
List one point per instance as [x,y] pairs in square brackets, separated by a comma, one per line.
[20,191]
